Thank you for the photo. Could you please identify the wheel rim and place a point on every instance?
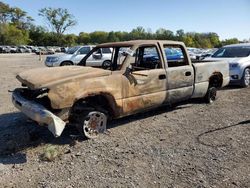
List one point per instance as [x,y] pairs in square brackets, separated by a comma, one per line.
[247,77]
[94,123]
[106,64]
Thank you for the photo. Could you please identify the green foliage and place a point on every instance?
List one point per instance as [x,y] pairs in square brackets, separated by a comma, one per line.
[163,34]
[50,153]
[98,37]
[83,38]
[229,41]
[11,35]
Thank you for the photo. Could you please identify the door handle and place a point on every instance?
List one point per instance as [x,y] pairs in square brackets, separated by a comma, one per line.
[188,73]
[162,76]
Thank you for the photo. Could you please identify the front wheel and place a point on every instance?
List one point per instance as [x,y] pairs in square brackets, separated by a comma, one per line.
[211,95]
[94,124]
[246,78]
[66,63]
[91,122]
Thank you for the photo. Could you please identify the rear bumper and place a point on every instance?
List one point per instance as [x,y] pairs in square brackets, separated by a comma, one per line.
[38,113]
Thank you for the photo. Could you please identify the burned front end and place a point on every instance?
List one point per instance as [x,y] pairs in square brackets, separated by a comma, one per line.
[35,104]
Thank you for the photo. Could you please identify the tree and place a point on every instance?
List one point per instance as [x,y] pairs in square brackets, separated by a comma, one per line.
[69,40]
[4,12]
[229,41]
[180,34]
[164,34]
[83,38]
[188,40]
[13,36]
[20,19]
[98,37]
[138,33]
[59,20]
[112,37]
[214,39]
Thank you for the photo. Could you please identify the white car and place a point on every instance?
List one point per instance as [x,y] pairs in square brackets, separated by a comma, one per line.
[75,54]
[238,57]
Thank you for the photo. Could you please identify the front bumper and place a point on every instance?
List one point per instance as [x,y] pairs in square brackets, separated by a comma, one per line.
[49,64]
[38,113]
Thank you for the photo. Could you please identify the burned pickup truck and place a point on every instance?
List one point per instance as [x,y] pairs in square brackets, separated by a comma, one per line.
[140,75]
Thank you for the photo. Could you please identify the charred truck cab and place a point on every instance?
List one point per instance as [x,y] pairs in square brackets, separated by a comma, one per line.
[140,75]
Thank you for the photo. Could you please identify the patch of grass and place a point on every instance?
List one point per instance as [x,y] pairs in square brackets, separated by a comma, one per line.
[50,153]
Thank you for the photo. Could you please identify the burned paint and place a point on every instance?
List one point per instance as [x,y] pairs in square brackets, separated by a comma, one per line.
[123,92]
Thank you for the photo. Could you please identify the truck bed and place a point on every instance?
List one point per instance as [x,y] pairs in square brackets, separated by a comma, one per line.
[204,69]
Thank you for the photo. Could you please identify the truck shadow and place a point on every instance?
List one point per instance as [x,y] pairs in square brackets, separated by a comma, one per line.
[154,112]
[17,133]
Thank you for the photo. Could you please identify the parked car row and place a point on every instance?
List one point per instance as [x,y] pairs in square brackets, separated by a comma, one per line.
[200,53]
[35,49]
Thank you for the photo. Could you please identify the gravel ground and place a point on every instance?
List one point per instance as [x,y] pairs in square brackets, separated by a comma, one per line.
[190,145]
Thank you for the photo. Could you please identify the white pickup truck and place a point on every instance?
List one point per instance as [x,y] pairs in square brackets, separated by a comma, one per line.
[141,76]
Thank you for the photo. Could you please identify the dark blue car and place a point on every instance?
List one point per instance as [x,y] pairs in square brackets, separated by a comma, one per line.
[172,55]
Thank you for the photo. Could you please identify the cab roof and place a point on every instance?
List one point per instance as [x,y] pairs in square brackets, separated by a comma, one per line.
[138,42]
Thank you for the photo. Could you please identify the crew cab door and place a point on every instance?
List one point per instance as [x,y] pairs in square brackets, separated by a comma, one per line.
[97,58]
[180,73]
[145,86]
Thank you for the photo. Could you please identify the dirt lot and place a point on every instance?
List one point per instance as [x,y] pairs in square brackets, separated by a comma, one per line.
[191,145]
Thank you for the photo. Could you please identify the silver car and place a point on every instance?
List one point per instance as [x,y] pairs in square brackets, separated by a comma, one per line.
[238,57]
[75,54]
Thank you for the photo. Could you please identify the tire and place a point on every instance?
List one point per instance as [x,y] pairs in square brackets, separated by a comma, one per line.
[91,121]
[211,95]
[245,80]
[66,63]
[106,64]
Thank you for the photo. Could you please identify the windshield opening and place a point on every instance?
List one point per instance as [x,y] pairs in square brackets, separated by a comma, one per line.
[72,50]
[109,58]
[231,52]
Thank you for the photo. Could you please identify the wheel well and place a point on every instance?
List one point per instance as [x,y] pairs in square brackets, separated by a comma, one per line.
[216,80]
[65,62]
[98,101]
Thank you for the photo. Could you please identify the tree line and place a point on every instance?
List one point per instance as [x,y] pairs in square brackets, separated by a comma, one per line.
[17,28]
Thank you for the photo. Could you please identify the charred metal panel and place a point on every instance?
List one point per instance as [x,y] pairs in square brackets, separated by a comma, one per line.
[139,85]
[200,89]
[205,70]
[138,103]
[180,79]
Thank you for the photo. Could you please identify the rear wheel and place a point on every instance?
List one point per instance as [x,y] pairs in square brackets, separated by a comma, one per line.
[106,64]
[246,78]
[211,95]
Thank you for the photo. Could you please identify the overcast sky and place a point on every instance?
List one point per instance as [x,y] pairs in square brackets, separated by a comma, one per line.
[228,18]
